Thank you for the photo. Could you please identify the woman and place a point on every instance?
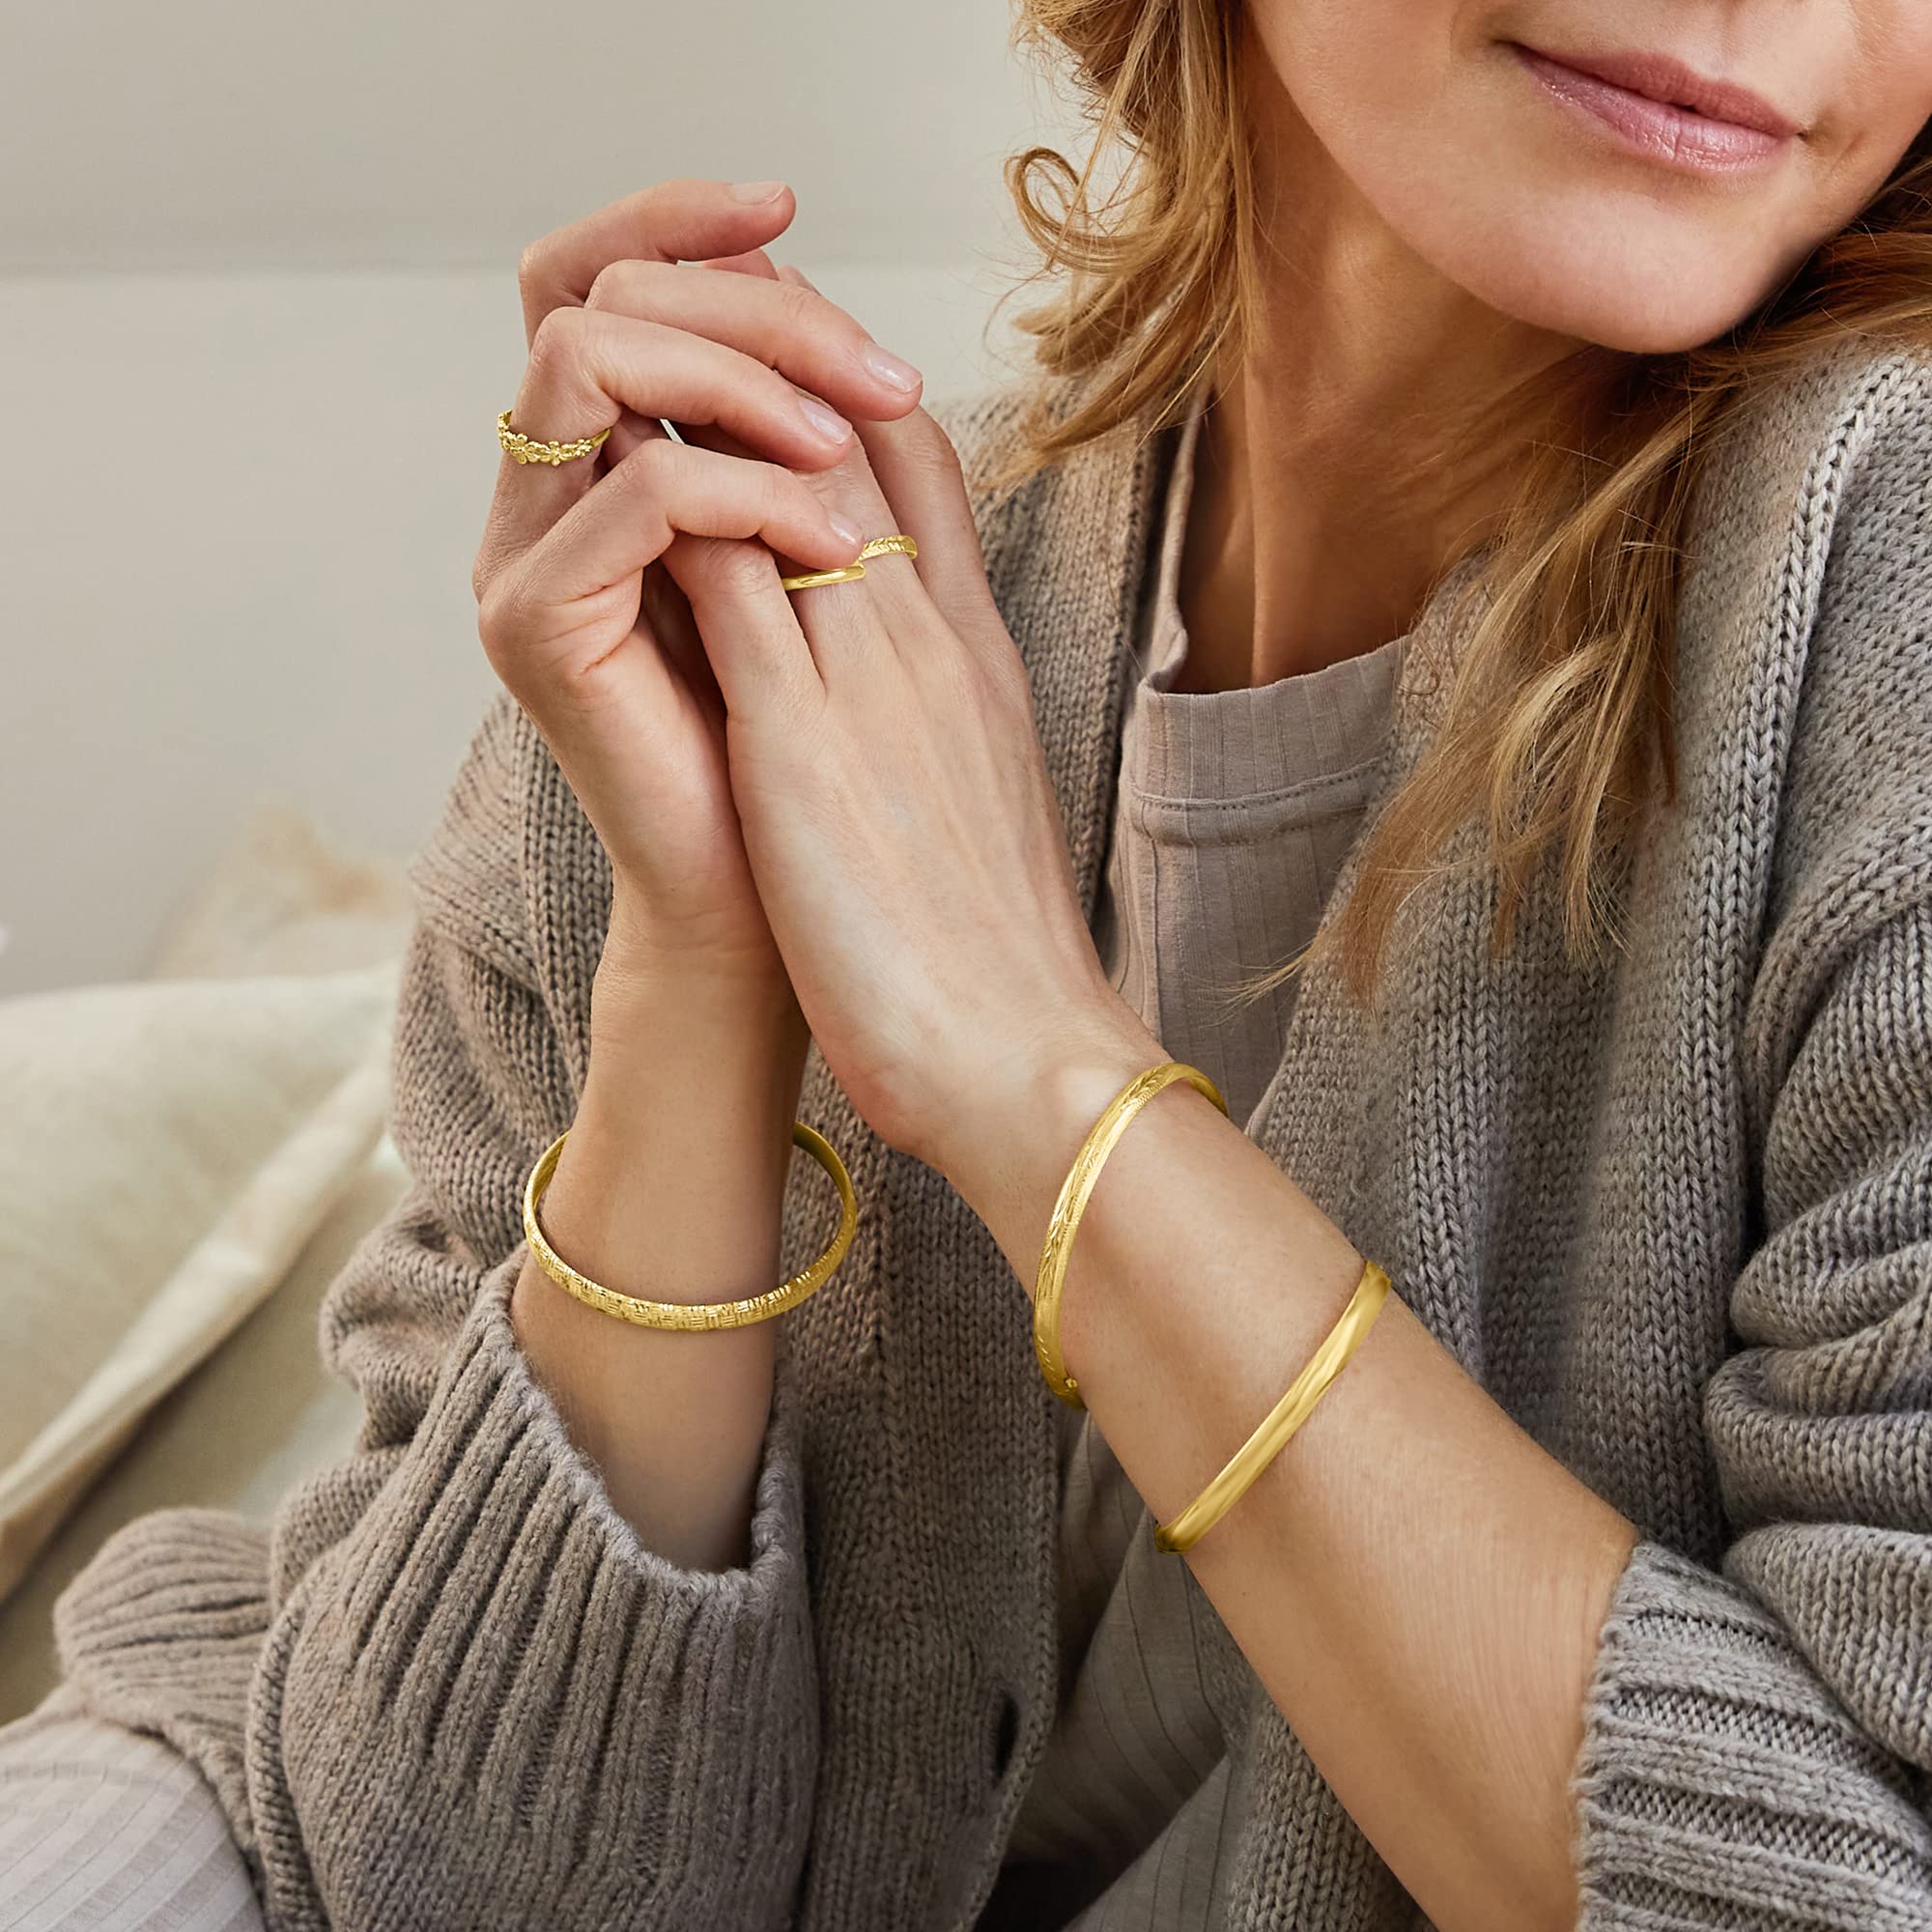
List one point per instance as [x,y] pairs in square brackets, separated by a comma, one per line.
[1476,502]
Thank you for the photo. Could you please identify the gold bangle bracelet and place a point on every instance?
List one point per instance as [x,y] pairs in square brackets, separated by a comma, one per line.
[698,1316]
[1282,1421]
[1074,1191]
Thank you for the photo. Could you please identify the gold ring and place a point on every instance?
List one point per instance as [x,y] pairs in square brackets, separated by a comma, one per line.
[878,547]
[527,449]
[808,580]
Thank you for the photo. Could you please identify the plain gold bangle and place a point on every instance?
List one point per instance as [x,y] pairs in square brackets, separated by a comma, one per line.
[699,1316]
[1282,1421]
[1074,1190]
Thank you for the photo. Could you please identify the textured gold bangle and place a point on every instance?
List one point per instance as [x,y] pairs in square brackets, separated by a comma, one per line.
[527,449]
[1072,1202]
[699,1316]
[1282,1421]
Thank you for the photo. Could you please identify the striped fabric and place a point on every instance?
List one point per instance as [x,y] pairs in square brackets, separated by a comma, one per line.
[1233,811]
[104,1830]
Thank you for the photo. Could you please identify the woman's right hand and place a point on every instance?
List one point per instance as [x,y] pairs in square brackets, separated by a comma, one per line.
[626,324]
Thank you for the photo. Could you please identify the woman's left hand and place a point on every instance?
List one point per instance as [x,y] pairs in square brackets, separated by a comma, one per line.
[897,813]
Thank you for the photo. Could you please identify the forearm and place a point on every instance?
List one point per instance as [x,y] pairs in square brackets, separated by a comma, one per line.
[669,1187]
[1416,1582]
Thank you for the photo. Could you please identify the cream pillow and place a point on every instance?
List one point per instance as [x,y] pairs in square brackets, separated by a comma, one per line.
[166,1148]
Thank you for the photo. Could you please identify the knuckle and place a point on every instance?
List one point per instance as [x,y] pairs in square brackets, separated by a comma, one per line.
[532,262]
[799,306]
[615,286]
[932,449]
[654,470]
[731,565]
[501,612]
[784,492]
[557,342]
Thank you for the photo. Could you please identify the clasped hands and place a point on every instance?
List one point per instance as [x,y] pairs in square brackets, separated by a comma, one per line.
[898,818]
[832,803]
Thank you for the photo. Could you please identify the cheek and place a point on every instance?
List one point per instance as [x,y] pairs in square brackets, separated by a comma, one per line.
[1884,104]
[1422,108]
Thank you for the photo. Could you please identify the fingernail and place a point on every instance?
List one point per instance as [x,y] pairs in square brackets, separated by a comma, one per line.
[828,423]
[845,532]
[754,190]
[888,367]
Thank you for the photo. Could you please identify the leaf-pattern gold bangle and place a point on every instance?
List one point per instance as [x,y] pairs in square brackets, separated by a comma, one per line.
[693,1316]
[1072,1202]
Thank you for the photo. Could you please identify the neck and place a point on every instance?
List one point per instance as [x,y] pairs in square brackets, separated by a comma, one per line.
[1336,473]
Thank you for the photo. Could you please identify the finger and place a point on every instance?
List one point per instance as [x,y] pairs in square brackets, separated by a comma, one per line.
[636,512]
[669,221]
[753,639]
[587,365]
[748,262]
[787,327]
[917,473]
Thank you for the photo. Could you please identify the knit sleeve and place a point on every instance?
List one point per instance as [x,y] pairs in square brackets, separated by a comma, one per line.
[474,1697]
[1758,1738]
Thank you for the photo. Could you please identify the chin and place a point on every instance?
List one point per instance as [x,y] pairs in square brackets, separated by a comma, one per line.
[1648,207]
[1597,275]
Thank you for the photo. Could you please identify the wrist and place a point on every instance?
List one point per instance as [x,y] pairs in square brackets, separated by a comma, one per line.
[1008,1146]
[680,1004]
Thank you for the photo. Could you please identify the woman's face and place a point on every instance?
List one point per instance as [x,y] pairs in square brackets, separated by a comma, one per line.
[1599,210]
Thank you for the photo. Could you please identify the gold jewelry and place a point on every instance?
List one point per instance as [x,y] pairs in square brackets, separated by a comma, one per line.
[1072,1202]
[1282,1421]
[701,1316]
[527,449]
[809,580]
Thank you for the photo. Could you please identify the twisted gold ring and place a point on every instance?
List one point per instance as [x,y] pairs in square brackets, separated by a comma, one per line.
[809,579]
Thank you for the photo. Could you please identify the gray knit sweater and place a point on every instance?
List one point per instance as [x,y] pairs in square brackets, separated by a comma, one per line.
[1675,1214]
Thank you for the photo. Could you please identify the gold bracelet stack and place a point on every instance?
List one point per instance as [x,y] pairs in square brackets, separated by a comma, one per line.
[1220,1494]
[1288,1415]
[700,1316]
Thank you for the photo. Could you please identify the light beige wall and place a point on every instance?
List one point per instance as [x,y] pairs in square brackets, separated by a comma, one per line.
[258,310]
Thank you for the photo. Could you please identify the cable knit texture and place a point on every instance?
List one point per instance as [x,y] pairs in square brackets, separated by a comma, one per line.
[1674,1213]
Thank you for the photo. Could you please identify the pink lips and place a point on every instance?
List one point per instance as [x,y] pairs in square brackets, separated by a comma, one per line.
[1667,110]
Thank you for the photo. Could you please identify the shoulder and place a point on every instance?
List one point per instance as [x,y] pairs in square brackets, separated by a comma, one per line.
[1836,460]
[1823,730]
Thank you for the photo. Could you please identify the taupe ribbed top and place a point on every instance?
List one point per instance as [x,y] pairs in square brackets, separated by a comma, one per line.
[1233,812]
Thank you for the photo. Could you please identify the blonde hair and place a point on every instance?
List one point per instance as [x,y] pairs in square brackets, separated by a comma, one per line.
[1557,722]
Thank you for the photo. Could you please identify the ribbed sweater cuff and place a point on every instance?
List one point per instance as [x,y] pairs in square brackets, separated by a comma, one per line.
[560,1712]
[1721,1783]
